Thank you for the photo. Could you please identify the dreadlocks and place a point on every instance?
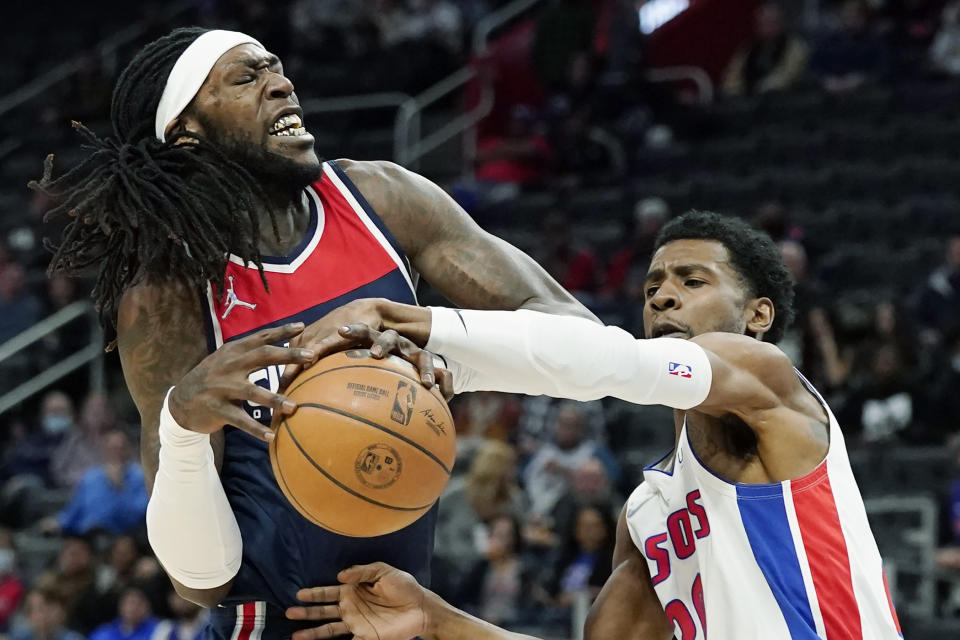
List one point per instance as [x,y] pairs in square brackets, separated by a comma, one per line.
[145,210]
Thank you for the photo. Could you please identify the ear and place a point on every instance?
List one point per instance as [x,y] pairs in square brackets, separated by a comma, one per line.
[759,315]
[184,126]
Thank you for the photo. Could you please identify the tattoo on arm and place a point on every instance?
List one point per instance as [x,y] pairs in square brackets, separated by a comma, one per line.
[465,263]
[160,337]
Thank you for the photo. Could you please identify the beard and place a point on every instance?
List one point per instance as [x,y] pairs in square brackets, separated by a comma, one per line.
[278,175]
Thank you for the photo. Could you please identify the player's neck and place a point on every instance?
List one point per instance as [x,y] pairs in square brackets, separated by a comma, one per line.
[292,215]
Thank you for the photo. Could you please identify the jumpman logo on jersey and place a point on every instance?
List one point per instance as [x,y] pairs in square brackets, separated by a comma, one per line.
[234,301]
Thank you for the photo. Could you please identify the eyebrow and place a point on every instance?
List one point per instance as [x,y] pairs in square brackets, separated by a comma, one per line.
[253,63]
[680,270]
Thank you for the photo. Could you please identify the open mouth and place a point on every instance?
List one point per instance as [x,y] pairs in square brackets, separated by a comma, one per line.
[288,125]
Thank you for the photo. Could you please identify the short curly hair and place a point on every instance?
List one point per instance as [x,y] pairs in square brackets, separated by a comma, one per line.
[753,254]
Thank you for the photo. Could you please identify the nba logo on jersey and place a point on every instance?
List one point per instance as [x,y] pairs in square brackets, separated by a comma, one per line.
[682,370]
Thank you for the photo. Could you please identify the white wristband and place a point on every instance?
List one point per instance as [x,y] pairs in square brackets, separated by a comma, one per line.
[188,497]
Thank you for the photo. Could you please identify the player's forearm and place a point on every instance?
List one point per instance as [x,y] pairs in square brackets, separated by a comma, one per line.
[190,524]
[540,354]
[446,622]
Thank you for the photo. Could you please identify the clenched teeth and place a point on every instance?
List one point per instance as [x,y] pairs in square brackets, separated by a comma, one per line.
[289,121]
[292,131]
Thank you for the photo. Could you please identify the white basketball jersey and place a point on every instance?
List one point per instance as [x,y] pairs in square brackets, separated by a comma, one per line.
[794,559]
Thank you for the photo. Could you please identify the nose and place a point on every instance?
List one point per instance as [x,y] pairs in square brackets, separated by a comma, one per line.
[280,87]
[665,298]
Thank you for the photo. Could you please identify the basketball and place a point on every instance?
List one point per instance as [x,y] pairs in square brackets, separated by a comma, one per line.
[369,449]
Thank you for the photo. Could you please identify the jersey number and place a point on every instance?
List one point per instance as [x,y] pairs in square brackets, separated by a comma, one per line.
[679,615]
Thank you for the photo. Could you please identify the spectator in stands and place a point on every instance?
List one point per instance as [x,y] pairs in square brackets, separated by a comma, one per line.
[539,415]
[584,560]
[329,28]
[520,156]
[547,476]
[649,215]
[775,58]
[74,578]
[480,417]
[882,401]
[30,456]
[938,308]
[945,50]
[11,587]
[949,556]
[811,342]
[573,264]
[852,55]
[941,397]
[111,496]
[489,489]
[590,484]
[134,621]
[25,464]
[421,41]
[563,33]
[46,617]
[498,587]
[19,309]
[187,623]
[81,449]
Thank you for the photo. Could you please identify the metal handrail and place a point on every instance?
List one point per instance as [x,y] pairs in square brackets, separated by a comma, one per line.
[489,23]
[91,354]
[409,117]
[61,72]
[684,72]
[51,323]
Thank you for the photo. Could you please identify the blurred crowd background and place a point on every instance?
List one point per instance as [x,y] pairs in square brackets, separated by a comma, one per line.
[576,129]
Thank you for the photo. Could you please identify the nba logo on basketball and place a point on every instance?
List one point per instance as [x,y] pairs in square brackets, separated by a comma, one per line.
[682,370]
[403,403]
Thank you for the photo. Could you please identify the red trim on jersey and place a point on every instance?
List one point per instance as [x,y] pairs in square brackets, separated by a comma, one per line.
[827,554]
[893,611]
[346,257]
[249,620]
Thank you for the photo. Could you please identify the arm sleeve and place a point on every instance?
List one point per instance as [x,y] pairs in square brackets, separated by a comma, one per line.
[566,357]
[190,524]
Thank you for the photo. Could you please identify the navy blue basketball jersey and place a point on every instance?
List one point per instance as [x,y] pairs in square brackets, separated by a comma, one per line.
[347,253]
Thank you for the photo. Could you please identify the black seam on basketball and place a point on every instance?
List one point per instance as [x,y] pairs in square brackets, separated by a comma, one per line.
[299,506]
[370,423]
[343,486]
[367,366]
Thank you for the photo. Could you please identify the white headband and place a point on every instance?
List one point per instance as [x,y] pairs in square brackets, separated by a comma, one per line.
[191,69]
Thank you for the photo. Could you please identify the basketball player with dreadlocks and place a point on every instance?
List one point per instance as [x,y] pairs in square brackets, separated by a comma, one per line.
[225,251]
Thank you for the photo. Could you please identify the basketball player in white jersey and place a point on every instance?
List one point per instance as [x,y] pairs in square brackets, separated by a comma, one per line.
[752,527]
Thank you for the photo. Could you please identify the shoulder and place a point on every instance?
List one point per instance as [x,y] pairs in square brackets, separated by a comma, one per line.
[747,374]
[745,351]
[379,181]
[153,298]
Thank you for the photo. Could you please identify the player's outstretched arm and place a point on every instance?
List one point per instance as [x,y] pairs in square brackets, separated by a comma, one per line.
[466,264]
[379,602]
